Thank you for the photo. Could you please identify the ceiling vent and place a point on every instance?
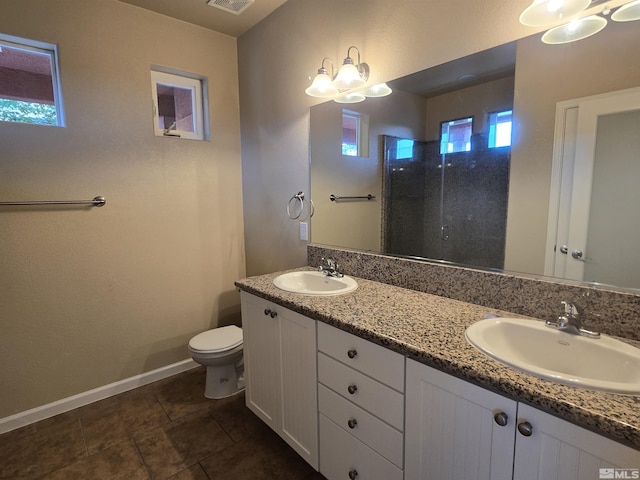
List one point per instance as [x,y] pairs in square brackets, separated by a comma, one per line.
[232,6]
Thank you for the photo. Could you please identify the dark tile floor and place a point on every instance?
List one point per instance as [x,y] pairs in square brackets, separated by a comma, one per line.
[165,430]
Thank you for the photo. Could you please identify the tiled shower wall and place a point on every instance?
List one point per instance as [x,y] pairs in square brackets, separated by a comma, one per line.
[606,311]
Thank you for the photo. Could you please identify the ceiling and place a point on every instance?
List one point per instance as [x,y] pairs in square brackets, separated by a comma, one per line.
[199,13]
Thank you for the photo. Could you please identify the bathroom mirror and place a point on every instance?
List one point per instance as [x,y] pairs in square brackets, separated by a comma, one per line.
[528,77]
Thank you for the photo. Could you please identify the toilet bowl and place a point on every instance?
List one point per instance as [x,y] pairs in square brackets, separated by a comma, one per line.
[220,350]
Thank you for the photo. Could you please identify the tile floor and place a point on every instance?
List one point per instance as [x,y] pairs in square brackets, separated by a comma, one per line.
[165,430]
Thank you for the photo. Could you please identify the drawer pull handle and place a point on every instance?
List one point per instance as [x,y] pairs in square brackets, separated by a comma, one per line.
[501,418]
[525,428]
[353,353]
[352,423]
[352,389]
[271,313]
[353,474]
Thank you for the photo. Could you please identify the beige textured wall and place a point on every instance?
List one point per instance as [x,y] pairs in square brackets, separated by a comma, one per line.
[545,75]
[277,56]
[89,296]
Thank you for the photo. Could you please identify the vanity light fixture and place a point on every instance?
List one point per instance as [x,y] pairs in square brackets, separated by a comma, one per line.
[580,22]
[627,13]
[545,12]
[350,97]
[351,76]
[322,85]
[349,85]
[378,90]
[575,30]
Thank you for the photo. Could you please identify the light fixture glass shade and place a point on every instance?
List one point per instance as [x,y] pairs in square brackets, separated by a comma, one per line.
[353,97]
[379,90]
[546,12]
[627,13]
[348,77]
[321,86]
[575,30]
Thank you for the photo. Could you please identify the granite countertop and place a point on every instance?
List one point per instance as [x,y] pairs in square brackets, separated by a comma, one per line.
[430,329]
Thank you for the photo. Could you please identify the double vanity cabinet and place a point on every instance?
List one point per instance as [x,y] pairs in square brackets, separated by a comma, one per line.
[357,410]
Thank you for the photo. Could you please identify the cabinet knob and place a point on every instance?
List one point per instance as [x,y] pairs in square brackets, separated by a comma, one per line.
[270,312]
[352,353]
[501,418]
[352,423]
[525,428]
[353,474]
[352,389]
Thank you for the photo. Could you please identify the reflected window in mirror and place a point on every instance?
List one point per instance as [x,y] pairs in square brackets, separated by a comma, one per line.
[355,134]
[455,135]
[500,129]
[404,149]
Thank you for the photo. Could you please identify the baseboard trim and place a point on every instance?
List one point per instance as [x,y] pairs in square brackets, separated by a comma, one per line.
[28,417]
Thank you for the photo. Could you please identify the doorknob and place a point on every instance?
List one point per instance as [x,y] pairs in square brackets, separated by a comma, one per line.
[577,254]
[564,249]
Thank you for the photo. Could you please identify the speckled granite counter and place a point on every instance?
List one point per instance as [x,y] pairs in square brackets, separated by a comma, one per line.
[430,329]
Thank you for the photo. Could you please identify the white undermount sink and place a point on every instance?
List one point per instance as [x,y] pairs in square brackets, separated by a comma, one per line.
[314,283]
[604,363]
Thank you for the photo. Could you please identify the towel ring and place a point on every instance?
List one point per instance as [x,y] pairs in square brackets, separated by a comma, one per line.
[298,202]
[298,197]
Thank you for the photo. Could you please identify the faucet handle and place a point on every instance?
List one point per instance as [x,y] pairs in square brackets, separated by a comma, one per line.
[570,309]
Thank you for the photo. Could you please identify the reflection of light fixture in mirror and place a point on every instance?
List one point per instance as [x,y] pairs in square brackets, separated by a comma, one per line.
[378,90]
[322,85]
[627,12]
[350,75]
[352,97]
[584,23]
[575,30]
[545,12]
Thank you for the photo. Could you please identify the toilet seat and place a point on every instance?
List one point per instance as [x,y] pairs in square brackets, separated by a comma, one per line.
[217,340]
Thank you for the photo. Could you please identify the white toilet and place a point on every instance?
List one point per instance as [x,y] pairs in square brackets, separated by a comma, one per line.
[220,350]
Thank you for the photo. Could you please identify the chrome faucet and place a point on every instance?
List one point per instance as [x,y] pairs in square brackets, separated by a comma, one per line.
[570,322]
[330,269]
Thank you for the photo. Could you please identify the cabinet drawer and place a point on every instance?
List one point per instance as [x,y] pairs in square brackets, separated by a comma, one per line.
[378,399]
[385,440]
[376,361]
[340,454]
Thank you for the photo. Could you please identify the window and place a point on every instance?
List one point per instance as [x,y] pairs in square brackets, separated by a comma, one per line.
[500,128]
[178,105]
[455,135]
[355,134]
[404,149]
[29,82]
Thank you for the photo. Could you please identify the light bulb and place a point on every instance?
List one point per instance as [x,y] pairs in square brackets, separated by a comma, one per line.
[348,76]
[545,12]
[353,97]
[379,90]
[321,86]
[575,30]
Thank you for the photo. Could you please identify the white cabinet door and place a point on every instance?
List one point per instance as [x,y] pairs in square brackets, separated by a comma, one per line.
[261,362]
[451,431]
[298,384]
[281,372]
[559,450]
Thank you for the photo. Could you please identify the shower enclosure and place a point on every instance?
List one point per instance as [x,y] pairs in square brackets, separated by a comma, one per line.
[450,207]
